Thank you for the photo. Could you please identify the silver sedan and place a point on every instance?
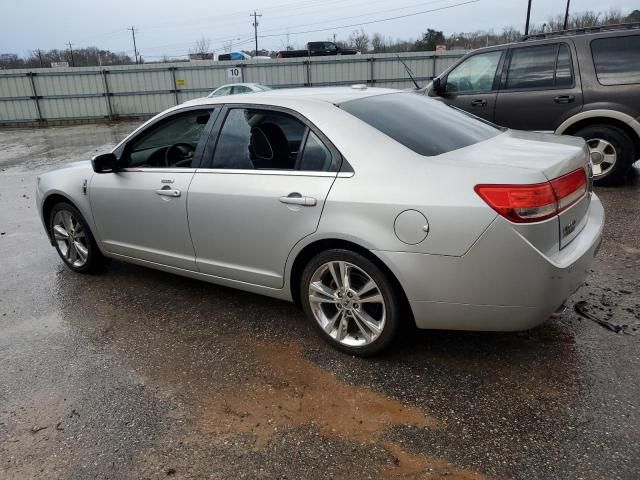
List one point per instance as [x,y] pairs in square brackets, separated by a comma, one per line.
[368,207]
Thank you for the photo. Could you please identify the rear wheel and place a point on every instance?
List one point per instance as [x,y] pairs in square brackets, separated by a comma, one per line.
[73,239]
[350,301]
[612,153]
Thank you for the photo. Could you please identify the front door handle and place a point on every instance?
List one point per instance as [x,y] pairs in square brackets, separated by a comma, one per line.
[168,192]
[297,199]
[479,103]
[564,99]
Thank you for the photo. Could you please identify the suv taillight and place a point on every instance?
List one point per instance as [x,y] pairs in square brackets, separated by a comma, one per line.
[536,202]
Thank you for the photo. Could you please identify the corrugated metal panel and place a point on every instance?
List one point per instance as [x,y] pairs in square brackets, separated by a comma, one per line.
[14,110]
[58,108]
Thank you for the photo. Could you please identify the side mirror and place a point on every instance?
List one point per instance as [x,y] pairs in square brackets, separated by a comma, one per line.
[439,85]
[105,163]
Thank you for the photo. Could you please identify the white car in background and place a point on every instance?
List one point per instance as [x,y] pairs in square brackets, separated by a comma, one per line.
[236,88]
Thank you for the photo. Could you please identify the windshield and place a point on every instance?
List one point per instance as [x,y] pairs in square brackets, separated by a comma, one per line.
[426,126]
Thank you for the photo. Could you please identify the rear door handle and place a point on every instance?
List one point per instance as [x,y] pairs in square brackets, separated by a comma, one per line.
[479,103]
[297,199]
[564,99]
[167,192]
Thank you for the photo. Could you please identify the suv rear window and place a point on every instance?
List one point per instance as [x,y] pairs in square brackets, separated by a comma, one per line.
[617,60]
[428,127]
[543,66]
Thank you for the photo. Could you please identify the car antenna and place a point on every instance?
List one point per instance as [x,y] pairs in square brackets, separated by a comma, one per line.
[406,67]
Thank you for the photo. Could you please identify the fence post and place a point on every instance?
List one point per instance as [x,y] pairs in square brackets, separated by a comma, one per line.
[372,78]
[35,95]
[107,95]
[308,64]
[175,84]
[435,58]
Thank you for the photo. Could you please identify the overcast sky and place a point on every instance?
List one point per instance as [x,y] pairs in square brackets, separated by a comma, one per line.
[172,26]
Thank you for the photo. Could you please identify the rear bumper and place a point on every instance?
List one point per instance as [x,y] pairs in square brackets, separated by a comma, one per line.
[502,283]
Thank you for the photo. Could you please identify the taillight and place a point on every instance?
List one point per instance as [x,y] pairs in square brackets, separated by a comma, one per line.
[533,203]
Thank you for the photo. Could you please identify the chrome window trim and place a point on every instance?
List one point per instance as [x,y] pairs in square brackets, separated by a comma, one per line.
[158,170]
[290,173]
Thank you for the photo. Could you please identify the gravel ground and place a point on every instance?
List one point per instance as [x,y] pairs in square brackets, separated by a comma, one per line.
[134,373]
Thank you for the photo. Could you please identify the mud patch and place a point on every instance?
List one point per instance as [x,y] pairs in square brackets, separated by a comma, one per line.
[410,466]
[293,391]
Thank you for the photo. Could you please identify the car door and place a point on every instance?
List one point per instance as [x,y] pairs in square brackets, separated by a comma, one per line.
[262,191]
[472,85]
[140,211]
[539,88]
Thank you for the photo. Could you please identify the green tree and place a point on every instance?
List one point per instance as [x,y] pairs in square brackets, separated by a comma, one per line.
[429,40]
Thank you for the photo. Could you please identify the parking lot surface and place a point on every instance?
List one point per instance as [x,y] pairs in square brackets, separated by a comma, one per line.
[134,373]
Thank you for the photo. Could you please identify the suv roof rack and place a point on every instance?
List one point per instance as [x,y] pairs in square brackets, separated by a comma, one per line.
[580,31]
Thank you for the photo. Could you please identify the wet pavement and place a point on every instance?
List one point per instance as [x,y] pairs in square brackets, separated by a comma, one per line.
[134,373]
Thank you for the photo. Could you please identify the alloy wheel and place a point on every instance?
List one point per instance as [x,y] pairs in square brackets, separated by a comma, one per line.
[347,303]
[70,238]
[603,156]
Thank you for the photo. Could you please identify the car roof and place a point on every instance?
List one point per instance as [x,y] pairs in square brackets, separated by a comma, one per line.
[292,96]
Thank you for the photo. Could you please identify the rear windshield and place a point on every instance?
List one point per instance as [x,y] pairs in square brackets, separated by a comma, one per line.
[426,126]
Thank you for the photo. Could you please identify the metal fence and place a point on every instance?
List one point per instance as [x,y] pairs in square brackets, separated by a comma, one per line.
[46,96]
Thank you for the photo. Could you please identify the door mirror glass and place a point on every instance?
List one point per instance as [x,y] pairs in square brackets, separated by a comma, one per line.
[475,74]
[105,163]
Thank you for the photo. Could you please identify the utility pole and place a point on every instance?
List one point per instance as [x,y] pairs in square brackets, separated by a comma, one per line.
[334,38]
[133,34]
[40,57]
[566,16]
[73,64]
[255,27]
[526,27]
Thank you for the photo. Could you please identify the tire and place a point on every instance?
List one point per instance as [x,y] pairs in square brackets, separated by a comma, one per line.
[87,260]
[365,316]
[605,140]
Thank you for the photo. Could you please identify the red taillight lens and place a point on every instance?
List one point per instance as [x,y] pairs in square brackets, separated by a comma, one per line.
[570,188]
[533,203]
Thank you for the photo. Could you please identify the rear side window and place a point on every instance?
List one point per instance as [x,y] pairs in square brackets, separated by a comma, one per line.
[544,66]
[424,125]
[617,60]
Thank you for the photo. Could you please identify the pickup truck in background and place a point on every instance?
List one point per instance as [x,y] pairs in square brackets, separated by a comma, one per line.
[317,49]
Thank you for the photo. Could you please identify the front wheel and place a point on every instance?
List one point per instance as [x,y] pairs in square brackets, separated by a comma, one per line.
[612,153]
[350,301]
[73,239]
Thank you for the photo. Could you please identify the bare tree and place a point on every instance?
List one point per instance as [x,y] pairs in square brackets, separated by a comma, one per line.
[378,43]
[202,45]
[360,40]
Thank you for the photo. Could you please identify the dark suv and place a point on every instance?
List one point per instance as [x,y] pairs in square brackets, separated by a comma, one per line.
[576,82]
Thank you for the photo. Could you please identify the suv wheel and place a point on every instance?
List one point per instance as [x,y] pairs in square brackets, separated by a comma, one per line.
[612,153]
[350,301]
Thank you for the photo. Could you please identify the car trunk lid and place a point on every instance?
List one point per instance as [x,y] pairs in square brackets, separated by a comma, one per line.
[560,159]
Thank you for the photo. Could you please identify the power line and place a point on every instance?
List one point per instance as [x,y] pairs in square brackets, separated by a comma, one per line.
[369,14]
[374,21]
[255,27]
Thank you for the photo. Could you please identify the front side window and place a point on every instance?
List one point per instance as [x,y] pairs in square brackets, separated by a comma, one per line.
[617,60]
[170,143]
[544,66]
[426,126]
[258,139]
[475,74]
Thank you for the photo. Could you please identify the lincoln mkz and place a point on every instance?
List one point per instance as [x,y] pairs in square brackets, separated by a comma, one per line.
[368,207]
